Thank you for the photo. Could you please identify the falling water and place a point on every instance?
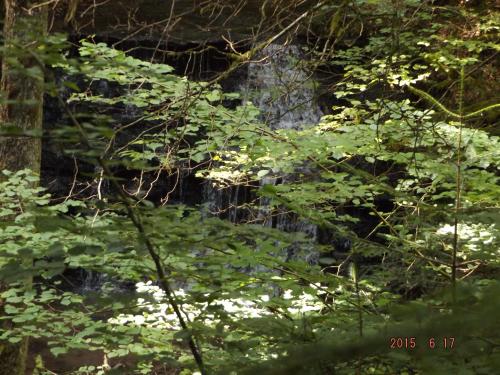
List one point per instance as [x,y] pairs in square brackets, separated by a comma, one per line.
[92,281]
[282,88]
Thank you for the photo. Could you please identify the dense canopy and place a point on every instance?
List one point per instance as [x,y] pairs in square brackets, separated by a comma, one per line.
[249,187]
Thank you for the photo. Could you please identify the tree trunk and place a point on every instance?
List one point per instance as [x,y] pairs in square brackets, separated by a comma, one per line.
[22,88]
[22,84]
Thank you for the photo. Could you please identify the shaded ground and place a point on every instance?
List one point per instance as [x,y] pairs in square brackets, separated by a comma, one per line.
[65,364]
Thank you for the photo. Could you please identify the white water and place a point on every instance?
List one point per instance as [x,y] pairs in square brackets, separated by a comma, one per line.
[283,90]
[280,86]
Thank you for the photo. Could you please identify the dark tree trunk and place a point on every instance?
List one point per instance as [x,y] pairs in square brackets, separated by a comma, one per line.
[22,84]
[22,87]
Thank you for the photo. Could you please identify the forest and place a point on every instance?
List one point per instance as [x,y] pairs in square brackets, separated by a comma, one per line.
[249,187]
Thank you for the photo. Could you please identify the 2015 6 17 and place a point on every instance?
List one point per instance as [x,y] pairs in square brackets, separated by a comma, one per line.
[432,343]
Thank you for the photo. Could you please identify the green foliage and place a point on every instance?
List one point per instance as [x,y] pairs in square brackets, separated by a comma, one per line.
[412,183]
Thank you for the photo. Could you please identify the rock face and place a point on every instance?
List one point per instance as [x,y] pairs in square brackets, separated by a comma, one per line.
[178,21]
[276,83]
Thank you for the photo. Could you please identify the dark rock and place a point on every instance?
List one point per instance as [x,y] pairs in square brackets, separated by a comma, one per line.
[184,21]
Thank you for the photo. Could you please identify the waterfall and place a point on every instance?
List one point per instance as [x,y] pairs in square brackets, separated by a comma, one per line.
[281,87]
[284,91]
[92,281]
